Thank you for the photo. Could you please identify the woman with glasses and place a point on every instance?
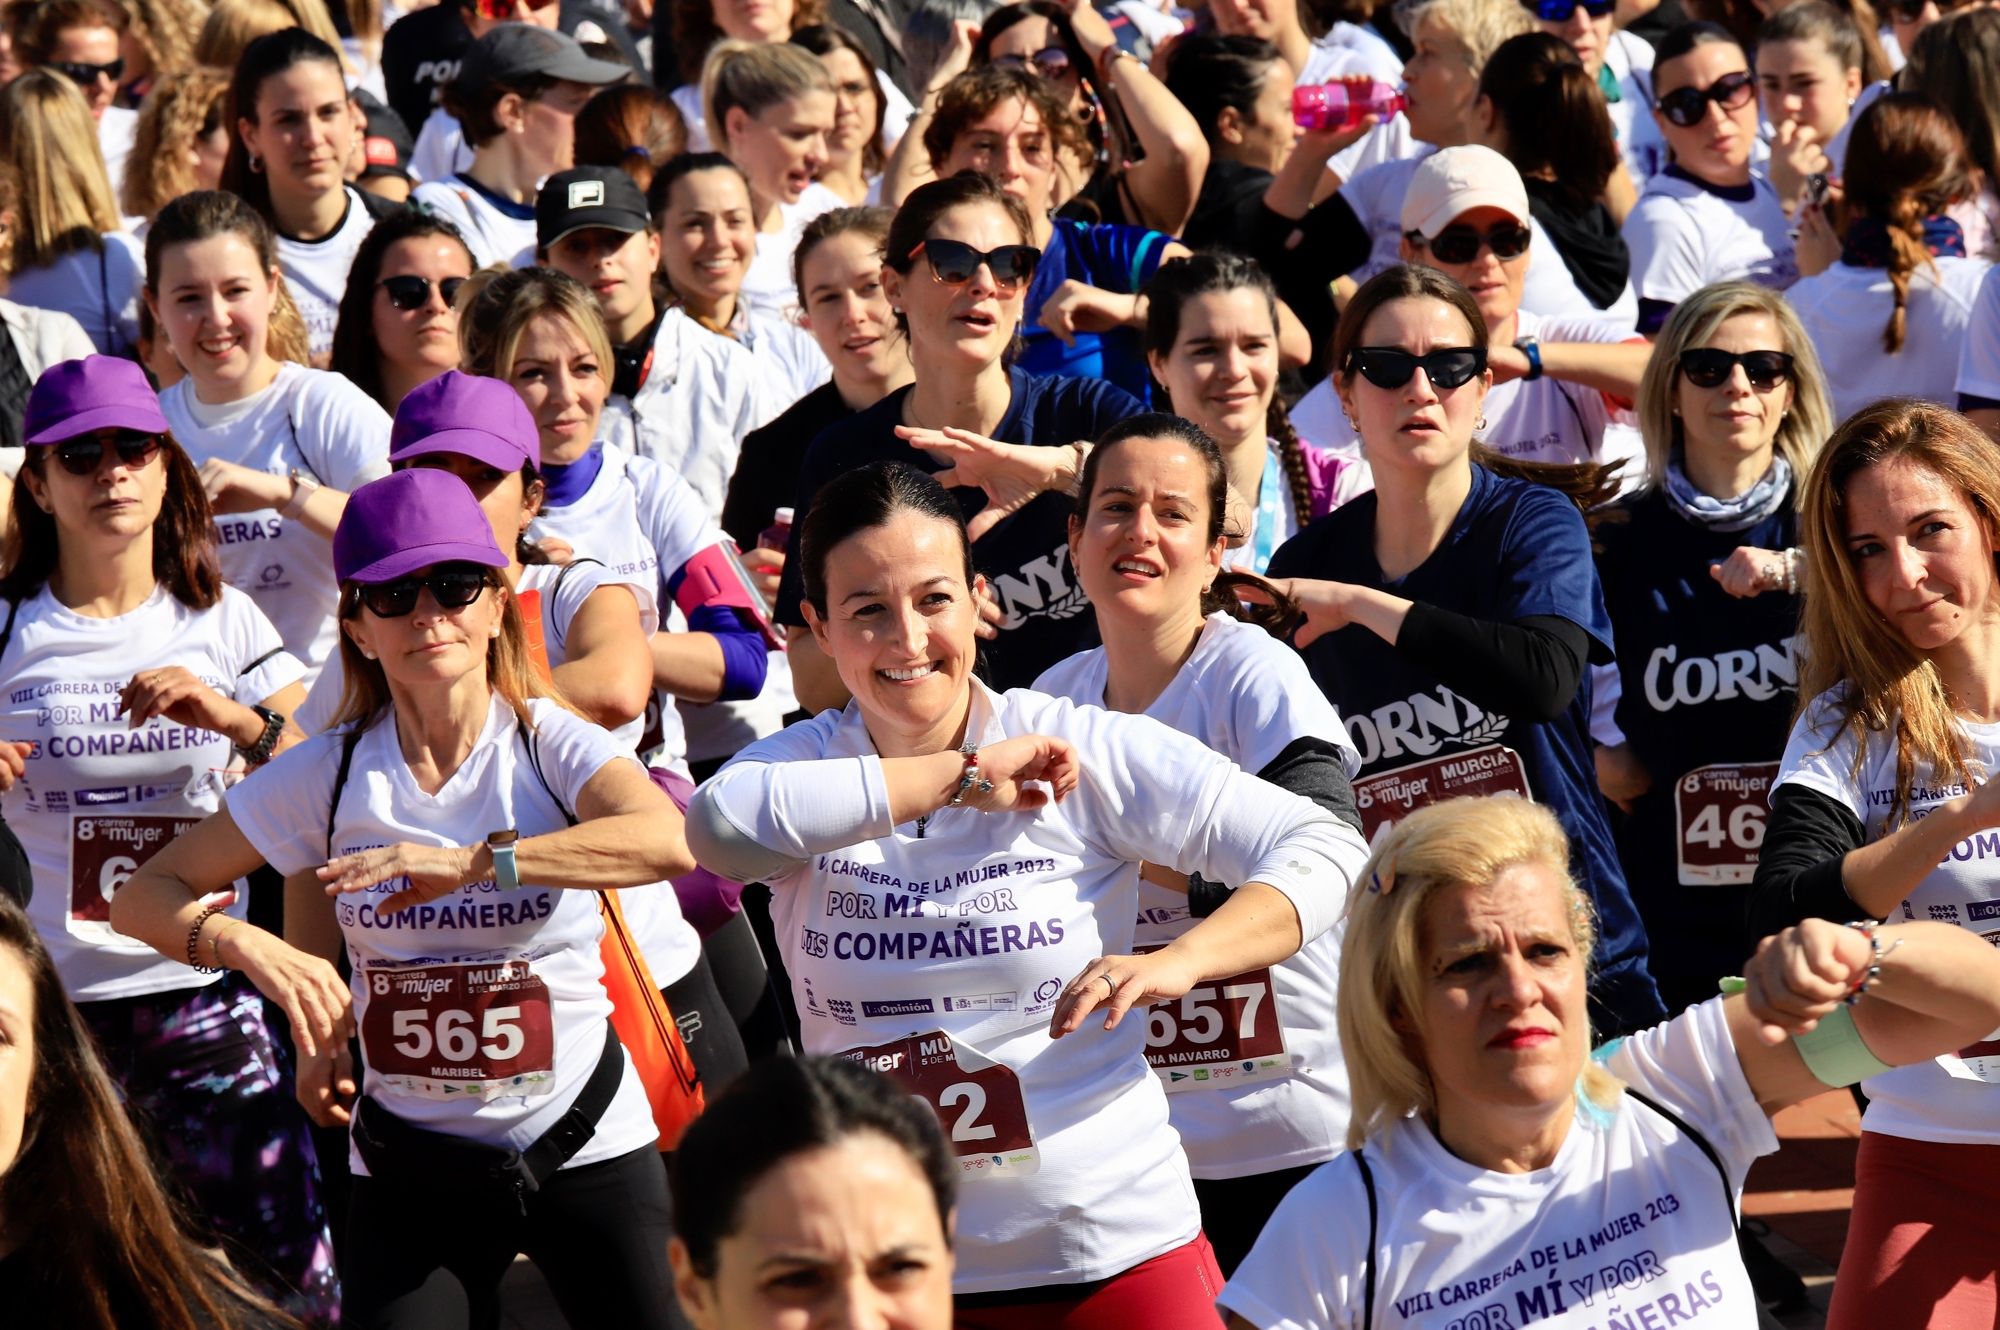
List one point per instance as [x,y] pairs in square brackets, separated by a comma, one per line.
[1706,217]
[296,128]
[279,445]
[956,269]
[1883,808]
[516,96]
[143,686]
[1892,315]
[84,41]
[1620,63]
[397,326]
[1451,614]
[972,937]
[452,830]
[857,148]
[1702,576]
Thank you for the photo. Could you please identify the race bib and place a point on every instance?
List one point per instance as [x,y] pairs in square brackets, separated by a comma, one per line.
[446,1030]
[1977,1062]
[976,1099]
[1221,1034]
[103,853]
[1719,814]
[1382,799]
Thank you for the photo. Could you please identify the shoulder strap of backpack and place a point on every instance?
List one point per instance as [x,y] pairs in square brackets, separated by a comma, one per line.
[1368,1259]
[348,742]
[7,633]
[556,589]
[1701,1141]
[535,764]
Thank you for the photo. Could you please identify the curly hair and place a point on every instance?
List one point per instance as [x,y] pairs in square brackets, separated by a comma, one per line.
[180,111]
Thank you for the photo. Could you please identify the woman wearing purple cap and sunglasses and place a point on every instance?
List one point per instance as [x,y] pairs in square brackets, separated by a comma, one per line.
[460,817]
[139,687]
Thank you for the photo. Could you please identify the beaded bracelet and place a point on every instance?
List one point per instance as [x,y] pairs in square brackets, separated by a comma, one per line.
[1867,927]
[1793,557]
[194,939]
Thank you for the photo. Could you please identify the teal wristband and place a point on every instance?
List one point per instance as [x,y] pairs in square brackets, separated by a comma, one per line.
[501,845]
[1834,1051]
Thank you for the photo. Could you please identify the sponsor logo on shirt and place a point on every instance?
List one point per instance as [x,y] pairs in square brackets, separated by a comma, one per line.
[1979,910]
[1422,724]
[982,1002]
[904,1007]
[1759,675]
[1044,588]
[109,794]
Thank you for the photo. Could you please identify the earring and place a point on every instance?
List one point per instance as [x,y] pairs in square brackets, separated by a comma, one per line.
[367,653]
[1482,422]
[256,164]
[1354,424]
[495,632]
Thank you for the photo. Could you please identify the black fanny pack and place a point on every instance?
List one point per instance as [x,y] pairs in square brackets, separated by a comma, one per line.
[402,1152]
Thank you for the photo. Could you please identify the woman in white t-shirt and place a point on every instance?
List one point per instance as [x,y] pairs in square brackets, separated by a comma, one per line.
[1890,317]
[452,832]
[1499,1172]
[1809,73]
[288,160]
[1270,1103]
[855,151]
[769,108]
[279,445]
[944,858]
[700,203]
[397,325]
[141,685]
[1707,216]
[1884,807]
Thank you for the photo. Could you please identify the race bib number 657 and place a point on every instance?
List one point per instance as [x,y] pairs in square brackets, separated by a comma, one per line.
[103,853]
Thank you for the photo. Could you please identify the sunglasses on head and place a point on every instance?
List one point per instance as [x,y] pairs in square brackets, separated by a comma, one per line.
[1461,244]
[953,262]
[83,75]
[1051,62]
[1687,107]
[1706,367]
[1559,11]
[1392,366]
[410,292]
[82,457]
[453,586]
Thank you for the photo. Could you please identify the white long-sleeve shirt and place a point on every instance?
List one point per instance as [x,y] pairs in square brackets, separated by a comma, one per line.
[937,954]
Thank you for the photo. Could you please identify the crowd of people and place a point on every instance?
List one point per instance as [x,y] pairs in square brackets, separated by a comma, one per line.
[1421,580]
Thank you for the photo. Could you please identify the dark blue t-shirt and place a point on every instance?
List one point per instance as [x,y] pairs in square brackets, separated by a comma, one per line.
[1516,550]
[1112,258]
[1026,555]
[1709,686]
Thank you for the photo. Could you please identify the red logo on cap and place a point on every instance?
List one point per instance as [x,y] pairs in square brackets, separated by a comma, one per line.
[381,151]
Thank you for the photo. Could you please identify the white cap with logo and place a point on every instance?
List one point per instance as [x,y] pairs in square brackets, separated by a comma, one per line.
[1454,181]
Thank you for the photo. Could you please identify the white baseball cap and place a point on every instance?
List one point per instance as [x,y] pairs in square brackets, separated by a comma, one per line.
[1454,181]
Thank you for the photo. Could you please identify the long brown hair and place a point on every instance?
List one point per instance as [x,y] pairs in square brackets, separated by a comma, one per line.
[184,553]
[208,213]
[1886,687]
[1534,81]
[105,1243]
[1906,162]
[1589,485]
[633,127]
[262,60]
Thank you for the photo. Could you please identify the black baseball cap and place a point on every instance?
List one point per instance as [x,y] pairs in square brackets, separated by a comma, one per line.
[387,142]
[587,196]
[513,50]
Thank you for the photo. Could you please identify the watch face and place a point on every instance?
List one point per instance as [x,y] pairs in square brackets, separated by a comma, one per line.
[502,838]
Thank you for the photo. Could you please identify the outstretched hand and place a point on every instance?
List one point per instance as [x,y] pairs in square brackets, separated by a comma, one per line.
[1011,474]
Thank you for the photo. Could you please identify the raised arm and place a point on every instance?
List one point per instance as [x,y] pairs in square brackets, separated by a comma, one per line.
[1166,181]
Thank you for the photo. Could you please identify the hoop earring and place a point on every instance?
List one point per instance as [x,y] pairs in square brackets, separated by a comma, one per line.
[256,164]
[1482,423]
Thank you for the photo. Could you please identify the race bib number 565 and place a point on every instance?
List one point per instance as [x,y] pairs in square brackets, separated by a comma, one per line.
[442,1030]
[976,1099]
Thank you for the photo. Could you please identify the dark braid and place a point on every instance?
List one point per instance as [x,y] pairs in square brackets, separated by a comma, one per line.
[1292,454]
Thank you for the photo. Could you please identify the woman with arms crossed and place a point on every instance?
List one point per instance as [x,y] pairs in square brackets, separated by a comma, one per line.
[903,831]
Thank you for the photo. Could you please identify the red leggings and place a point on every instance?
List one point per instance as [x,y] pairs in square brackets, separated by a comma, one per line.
[1173,1291]
[1923,1240]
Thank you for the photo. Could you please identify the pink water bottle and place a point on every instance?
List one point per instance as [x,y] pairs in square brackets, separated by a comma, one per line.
[777,535]
[1321,106]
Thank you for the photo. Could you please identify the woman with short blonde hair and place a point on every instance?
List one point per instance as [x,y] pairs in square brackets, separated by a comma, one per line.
[1485,1127]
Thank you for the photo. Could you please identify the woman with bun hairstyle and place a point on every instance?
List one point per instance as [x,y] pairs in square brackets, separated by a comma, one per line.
[1883,809]
[160,683]
[1891,316]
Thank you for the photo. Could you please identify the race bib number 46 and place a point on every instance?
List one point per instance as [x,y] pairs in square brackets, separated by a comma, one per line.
[1719,813]
[103,853]
[445,1030]
[978,1100]
[1217,1036]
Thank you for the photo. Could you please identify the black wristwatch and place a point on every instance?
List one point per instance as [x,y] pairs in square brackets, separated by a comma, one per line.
[257,754]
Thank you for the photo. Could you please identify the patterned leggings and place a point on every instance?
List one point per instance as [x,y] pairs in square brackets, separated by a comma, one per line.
[211,1091]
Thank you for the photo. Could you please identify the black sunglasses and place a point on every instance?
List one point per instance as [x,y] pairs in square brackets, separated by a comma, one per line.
[1051,62]
[1687,107]
[84,75]
[410,292]
[1392,367]
[953,262]
[453,586]
[1706,367]
[82,457]
[1560,11]
[1461,244]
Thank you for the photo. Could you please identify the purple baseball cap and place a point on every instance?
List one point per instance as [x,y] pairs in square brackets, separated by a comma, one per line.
[94,393]
[409,520]
[471,416]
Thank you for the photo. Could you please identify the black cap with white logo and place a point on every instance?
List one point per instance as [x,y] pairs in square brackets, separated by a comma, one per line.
[601,196]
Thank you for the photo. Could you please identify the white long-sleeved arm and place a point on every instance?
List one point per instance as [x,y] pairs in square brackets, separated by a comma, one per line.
[754,819]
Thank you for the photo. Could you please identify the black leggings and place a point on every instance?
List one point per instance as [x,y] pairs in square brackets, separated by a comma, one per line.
[598,1233]
[707,1028]
[1233,1210]
[745,983]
